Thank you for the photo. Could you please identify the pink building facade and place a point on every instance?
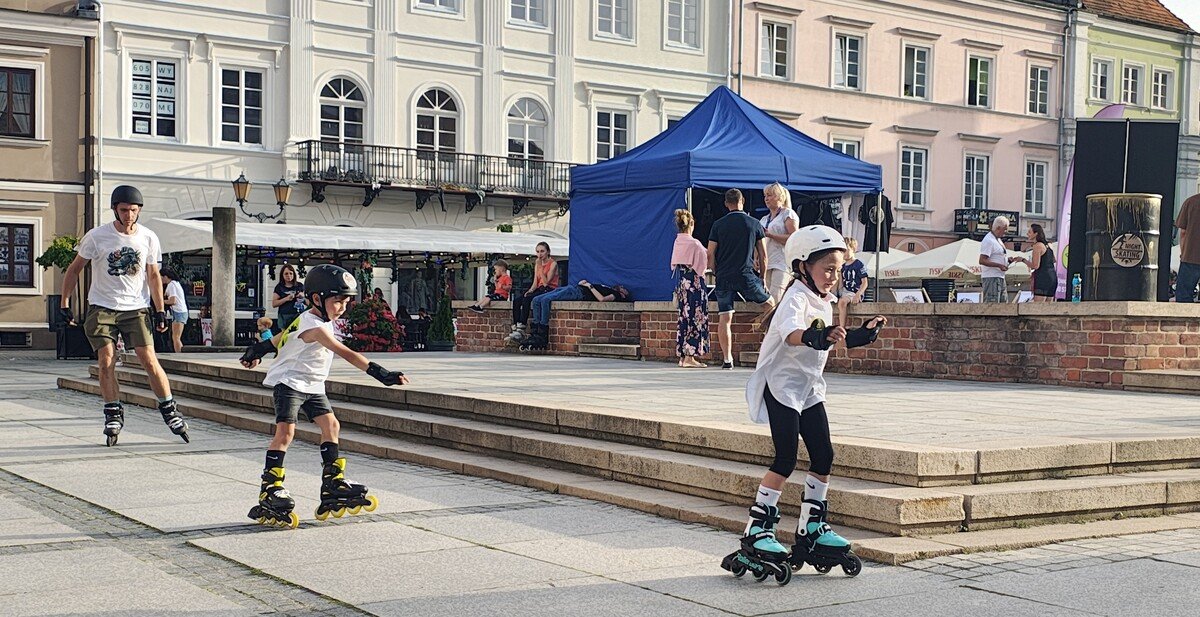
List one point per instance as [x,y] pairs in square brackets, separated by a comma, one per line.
[958,100]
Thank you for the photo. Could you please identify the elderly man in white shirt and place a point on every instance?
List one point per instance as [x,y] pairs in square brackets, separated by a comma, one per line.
[993,258]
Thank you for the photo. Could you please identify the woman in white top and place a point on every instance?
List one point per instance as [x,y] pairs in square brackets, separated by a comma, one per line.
[780,223]
[176,306]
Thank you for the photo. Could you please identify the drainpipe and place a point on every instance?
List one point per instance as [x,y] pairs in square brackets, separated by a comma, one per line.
[1068,70]
[96,213]
[741,48]
[729,50]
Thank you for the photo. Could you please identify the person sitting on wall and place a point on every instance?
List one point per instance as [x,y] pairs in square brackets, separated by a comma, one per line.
[539,325]
[502,290]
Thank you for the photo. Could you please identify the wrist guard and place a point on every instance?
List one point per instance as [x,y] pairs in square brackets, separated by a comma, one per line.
[384,376]
[257,351]
[862,336]
[160,320]
[817,336]
[66,315]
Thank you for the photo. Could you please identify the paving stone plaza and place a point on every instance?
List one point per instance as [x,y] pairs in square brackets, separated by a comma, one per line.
[157,527]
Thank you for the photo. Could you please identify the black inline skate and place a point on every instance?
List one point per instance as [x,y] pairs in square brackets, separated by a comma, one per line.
[174,419]
[761,554]
[539,338]
[114,421]
[818,545]
[275,504]
[339,496]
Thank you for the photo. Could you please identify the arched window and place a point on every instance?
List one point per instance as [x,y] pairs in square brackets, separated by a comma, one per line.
[437,121]
[527,130]
[342,110]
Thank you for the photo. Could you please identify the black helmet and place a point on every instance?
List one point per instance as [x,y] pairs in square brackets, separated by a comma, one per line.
[126,194]
[327,281]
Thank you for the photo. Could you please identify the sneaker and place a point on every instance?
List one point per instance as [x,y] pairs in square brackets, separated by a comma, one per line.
[476,308]
[728,366]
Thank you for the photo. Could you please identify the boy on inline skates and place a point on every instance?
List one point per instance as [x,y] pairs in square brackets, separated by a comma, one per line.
[787,390]
[303,355]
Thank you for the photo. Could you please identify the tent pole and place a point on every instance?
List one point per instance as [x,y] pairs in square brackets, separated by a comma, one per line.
[878,237]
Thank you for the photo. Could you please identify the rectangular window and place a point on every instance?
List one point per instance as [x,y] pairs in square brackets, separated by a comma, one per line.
[1039,90]
[1131,85]
[774,54]
[613,18]
[683,22]
[612,134]
[975,177]
[528,11]
[1163,90]
[913,176]
[154,96]
[16,255]
[1035,187]
[979,82]
[851,147]
[16,102]
[671,122]
[916,72]
[441,5]
[847,62]
[1101,76]
[241,106]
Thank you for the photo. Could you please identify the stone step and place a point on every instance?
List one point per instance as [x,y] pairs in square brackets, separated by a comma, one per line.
[611,350]
[897,463]
[748,359]
[1166,380]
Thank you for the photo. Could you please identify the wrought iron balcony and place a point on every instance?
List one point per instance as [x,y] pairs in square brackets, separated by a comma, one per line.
[376,168]
[976,223]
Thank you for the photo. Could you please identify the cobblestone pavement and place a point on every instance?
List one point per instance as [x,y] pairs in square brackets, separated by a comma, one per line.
[83,531]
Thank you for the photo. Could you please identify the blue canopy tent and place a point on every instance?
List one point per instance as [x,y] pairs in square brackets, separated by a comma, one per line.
[622,209]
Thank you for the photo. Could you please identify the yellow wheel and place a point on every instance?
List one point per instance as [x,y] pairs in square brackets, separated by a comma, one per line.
[322,515]
[261,520]
[339,513]
[293,520]
[355,510]
[370,507]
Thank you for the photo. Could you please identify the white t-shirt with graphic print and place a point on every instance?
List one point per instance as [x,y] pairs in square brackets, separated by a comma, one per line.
[796,373]
[301,366]
[119,266]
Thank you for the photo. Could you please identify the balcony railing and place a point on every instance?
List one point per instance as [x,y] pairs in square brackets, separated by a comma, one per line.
[976,223]
[336,162]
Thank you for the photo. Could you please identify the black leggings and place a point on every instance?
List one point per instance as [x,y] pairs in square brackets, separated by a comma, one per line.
[788,427]
[522,303]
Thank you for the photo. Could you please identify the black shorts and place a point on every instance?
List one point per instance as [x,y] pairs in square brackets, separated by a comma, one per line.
[497,298]
[289,401]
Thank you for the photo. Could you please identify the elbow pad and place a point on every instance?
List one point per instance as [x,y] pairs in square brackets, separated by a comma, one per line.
[817,336]
[861,336]
[259,350]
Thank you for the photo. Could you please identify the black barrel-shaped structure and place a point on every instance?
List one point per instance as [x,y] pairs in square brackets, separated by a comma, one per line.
[1122,246]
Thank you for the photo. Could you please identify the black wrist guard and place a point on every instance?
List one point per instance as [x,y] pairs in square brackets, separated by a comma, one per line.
[384,376]
[160,320]
[257,351]
[862,336]
[66,315]
[817,336]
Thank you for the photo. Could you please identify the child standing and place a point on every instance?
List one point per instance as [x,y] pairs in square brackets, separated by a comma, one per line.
[787,390]
[854,281]
[502,290]
[264,328]
[303,355]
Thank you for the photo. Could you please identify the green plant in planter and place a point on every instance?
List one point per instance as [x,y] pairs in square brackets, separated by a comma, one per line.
[504,228]
[442,328]
[60,254]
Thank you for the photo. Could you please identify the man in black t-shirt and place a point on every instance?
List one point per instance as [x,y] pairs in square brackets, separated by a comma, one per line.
[737,247]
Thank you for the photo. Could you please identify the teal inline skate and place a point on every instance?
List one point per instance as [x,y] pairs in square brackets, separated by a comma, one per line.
[761,554]
[818,545]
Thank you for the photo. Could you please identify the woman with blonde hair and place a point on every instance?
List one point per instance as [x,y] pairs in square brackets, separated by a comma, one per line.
[854,281]
[780,223]
[689,259]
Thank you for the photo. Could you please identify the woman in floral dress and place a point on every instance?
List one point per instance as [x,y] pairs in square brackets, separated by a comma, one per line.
[689,260]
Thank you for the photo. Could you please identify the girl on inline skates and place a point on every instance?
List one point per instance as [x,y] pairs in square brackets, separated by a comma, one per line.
[787,390]
[304,352]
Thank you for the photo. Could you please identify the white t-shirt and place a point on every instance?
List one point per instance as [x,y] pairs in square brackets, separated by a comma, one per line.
[119,266]
[301,366]
[175,290]
[794,372]
[992,249]
[778,225]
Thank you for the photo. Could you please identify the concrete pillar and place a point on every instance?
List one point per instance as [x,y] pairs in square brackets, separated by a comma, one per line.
[223,274]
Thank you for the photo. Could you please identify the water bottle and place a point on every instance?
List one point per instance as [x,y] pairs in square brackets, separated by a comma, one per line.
[1076,288]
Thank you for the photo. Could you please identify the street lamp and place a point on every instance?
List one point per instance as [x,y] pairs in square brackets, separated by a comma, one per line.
[241,192]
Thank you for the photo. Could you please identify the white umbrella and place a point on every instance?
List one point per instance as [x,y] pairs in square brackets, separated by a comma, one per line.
[886,259]
[957,260]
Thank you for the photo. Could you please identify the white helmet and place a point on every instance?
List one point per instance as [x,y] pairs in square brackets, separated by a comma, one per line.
[809,240]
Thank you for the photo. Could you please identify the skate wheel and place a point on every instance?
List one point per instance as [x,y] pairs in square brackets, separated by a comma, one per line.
[762,576]
[823,569]
[738,570]
[111,441]
[372,503]
[784,576]
[339,513]
[261,520]
[797,566]
[355,510]
[184,435]
[293,520]
[852,566]
[322,515]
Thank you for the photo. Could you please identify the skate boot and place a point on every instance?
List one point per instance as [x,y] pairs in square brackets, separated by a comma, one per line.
[539,338]
[761,554]
[275,504]
[174,419]
[818,545]
[516,336]
[114,421]
[339,496]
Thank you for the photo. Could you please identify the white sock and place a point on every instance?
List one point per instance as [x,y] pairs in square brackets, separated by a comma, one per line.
[814,490]
[767,497]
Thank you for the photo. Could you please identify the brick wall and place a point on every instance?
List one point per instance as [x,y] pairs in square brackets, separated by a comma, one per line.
[1087,344]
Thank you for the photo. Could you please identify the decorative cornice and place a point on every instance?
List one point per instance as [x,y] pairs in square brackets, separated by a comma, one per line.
[15,50]
[780,114]
[853,124]
[591,88]
[982,44]
[682,97]
[851,23]
[18,204]
[121,29]
[1038,145]
[1041,55]
[232,41]
[912,130]
[917,34]
[767,7]
[985,139]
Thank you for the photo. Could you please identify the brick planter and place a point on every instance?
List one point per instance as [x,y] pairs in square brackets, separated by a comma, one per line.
[1088,344]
